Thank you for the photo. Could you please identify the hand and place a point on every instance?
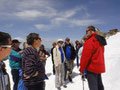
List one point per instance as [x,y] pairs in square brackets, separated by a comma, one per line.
[20,52]
[35,74]
[81,73]
[56,67]
[26,76]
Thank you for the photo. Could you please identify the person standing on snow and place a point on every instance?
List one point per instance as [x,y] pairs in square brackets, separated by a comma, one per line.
[77,47]
[42,53]
[5,49]
[32,68]
[54,45]
[15,58]
[70,55]
[59,59]
[92,59]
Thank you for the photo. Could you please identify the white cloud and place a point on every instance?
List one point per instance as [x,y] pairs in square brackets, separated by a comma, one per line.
[85,22]
[42,27]
[20,39]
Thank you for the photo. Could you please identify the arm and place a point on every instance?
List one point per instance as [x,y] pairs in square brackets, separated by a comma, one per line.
[55,58]
[29,66]
[86,56]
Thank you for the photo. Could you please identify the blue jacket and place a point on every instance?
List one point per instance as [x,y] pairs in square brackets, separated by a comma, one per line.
[15,59]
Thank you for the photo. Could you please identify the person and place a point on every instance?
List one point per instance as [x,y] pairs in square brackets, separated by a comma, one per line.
[32,68]
[77,47]
[15,62]
[54,45]
[70,55]
[21,85]
[42,52]
[5,49]
[92,59]
[59,59]
[81,49]
[25,45]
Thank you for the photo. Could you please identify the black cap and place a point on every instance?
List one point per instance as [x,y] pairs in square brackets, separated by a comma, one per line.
[15,41]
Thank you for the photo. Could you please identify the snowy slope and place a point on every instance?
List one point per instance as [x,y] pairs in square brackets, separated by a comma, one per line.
[111,78]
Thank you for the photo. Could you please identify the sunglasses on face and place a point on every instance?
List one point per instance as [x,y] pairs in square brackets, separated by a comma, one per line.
[6,46]
[87,31]
[39,38]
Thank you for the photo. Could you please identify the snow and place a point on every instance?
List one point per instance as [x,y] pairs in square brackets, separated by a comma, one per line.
[110,79]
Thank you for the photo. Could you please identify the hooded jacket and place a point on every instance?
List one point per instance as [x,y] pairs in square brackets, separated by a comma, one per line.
[92,58]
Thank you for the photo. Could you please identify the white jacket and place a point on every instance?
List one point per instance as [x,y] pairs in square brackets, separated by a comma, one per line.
[57,56]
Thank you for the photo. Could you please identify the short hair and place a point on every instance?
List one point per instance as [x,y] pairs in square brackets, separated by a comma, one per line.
[54,43]
[31,37]
[92,28]
[4,38]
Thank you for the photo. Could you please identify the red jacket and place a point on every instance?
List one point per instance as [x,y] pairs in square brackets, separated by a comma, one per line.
[92,58]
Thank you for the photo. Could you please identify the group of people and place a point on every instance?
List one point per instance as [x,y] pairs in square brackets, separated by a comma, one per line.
[28,64]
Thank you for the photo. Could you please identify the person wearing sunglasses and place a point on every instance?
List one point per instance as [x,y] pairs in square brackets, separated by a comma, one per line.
[92,59]
[5,49]
[32,68]
[59,60]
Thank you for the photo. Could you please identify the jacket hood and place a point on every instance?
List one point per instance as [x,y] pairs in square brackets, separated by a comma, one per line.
[101,39]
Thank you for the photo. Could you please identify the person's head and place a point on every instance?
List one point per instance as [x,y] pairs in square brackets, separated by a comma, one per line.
[85,38]
[34,40]
[54,44]
[25,45]
[59,42]
[42,47]
[77,42]
[15,43]
[67,40]
[90,29]
[5,45]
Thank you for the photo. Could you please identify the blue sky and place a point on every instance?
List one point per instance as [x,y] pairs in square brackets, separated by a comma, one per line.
[54,19]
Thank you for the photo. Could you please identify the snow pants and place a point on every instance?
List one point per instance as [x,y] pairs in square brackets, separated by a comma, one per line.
[94,81]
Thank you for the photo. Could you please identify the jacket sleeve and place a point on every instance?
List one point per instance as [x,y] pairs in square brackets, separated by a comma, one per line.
[86,55]
[55,56]
[29,65]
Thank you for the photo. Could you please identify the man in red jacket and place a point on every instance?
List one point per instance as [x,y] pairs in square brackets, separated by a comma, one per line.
[92,59]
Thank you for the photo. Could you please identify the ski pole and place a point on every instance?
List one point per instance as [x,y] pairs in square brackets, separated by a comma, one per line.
[83,79]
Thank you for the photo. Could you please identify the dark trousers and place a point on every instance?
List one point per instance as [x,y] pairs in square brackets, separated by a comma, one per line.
[77,61]
[15,76]
[94,81]
[53,69]
[40,86]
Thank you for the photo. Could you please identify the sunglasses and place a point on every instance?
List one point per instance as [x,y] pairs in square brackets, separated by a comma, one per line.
[87,31]
[39,38]
[6,46]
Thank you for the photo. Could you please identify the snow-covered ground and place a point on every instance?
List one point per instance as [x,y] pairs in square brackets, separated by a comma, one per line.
[111,78]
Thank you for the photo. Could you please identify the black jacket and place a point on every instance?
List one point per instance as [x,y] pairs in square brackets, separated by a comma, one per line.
[73,53]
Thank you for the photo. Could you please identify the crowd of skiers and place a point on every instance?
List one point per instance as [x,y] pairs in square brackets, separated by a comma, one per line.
[28,64]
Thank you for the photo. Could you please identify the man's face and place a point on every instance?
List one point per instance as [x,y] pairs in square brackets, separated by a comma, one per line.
[67,42]
[5,51]
[38,42]
[17,45]
[88,32]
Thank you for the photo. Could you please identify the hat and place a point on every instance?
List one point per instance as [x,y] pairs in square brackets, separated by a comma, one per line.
[60,40]
[15,41]
[67,39]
